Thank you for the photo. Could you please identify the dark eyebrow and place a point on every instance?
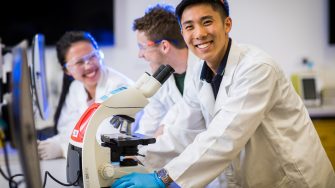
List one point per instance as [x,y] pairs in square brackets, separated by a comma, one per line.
[206,17]
[202,18]
[187,22]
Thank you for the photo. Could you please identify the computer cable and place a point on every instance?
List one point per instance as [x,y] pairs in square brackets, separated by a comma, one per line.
[9,177]
[47,173]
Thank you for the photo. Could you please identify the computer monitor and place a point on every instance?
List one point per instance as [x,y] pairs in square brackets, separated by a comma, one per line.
[23,126]
[39,81]
[306,85]
[1,72]
[309,90]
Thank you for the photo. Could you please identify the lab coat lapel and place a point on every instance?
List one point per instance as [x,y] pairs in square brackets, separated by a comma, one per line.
[207,97]
[233,60]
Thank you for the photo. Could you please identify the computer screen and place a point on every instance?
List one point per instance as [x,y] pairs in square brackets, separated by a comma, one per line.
[23,127]
[1,72]
[38,73]
[309,88]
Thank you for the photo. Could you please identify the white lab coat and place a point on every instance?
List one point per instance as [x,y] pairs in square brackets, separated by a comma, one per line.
[167,96]
[76,102]
[158,106]
[257,132]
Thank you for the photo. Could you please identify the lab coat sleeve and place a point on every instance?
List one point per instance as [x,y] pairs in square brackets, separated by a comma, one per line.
[243,106]
[162,109]
[70,114]
[170,117]
[175,138]
[68,122]
[153,113]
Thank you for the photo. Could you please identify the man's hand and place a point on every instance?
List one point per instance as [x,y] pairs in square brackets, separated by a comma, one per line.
[49,149]
[139,180]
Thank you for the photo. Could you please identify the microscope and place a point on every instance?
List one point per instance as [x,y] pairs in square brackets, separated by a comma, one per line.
[94,164]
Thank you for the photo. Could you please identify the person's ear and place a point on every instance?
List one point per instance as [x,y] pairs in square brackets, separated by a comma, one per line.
[228,24]
[166,45]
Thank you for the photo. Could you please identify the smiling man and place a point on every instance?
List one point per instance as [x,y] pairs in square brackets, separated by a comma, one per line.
[255,129]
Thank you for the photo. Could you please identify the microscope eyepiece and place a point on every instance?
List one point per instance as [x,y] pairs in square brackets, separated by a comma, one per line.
[160,68]
[164,74]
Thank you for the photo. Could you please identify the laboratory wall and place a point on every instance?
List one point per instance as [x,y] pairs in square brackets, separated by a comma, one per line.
[288,30]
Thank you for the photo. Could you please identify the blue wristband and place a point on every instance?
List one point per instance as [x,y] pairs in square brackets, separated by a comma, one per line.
[159,181]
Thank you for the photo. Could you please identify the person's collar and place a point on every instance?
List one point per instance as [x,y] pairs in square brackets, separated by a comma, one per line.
[206,72]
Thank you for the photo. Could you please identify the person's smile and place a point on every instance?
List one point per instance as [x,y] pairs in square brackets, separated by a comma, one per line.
[204,46]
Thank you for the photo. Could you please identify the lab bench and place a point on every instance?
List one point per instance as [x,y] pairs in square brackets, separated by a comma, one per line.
[324,121]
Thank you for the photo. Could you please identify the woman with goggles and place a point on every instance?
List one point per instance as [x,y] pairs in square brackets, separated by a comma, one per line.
[82,62]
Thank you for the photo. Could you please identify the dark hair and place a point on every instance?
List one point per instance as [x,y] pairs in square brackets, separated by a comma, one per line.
[67,80]
[219,5]
[62,46]
[160,23]
[66,41]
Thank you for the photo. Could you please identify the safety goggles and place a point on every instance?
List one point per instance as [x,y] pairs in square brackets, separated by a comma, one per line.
[148,44]
[77,64]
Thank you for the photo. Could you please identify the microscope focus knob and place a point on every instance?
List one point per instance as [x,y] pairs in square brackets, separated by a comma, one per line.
[107,171]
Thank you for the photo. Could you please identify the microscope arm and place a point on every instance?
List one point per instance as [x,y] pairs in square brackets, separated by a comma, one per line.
[97,169]
[96,158]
